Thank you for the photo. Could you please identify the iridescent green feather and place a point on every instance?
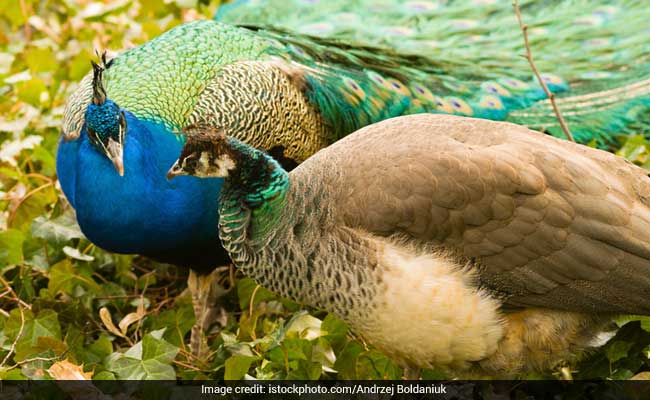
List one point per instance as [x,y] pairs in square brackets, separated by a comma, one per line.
[476,46]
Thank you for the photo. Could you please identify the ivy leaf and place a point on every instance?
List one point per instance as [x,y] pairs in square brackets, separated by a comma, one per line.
[59,230]
[149,359]
[156,348]
[44,324]
[76,254]
[618,350]
[245,289]
[64,277]
[375,365]
[11,247]
[335,330]
[178,322]
[237,366]
[306,370]
[347,361]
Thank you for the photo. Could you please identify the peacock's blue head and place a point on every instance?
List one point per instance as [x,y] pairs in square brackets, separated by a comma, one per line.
[105,122]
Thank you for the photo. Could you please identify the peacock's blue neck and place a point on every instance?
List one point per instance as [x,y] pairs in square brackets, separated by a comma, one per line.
[142,212]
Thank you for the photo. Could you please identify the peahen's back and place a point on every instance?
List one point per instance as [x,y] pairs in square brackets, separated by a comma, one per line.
[595,47]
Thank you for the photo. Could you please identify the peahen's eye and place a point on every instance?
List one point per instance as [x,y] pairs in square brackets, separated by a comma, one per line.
[190,163]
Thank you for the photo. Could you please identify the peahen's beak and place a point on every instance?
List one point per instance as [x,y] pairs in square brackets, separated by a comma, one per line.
[115,154]
[175,171]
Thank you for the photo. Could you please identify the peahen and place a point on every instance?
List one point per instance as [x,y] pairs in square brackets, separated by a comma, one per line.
[291,95]
[447,241]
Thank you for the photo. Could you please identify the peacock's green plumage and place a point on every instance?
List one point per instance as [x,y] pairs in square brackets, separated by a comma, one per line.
[585,46]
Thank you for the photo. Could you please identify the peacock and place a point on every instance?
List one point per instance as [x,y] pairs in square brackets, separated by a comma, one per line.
[292,94]
[477,246]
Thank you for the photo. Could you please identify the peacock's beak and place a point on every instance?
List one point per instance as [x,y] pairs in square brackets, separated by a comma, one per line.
[115,154]
[175,171]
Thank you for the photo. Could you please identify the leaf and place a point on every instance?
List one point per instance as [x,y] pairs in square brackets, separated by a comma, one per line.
[76,254]
[32,207]
[12,148]
[67,371]
[635,146]
[375,365]
[178,322]
[148,359]
[11,247]
[133,369]
[245,289]
[129,319]
[44,324]
[347,361]
[98,350]
[323,353]
[237,366]
[64,277]
[297,349]
[335,329]
[306,327]
[306,370]
[618,350]
[58,230]
[107,320]
[156,348]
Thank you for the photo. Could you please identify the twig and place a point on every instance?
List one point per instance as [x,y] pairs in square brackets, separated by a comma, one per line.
[25,197]
[18,336]
[14,295]
[19,363]
[529,57]
[252,301]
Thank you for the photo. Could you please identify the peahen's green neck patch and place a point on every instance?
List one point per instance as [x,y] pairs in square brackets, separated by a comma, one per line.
[257,178]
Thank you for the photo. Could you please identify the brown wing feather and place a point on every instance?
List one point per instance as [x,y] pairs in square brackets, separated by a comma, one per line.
[549,223]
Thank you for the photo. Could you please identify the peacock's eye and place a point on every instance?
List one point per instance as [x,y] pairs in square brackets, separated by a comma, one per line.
[122,123]
[92,135]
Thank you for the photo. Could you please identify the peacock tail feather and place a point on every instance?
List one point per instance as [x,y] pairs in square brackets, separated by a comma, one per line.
[595,54]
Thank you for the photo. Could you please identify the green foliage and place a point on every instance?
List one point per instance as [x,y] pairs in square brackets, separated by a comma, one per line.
[84,311]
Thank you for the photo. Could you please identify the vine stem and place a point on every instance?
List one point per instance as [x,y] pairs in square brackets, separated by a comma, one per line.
[529,57]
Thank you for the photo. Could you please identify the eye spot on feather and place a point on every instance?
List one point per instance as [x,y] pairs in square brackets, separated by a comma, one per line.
[514,84]
[353,87]
[442,105]
[397,86]
[375,77]
[275,43]
[495,88]
[491,102]
[552,79]
[422,92]
[460,106]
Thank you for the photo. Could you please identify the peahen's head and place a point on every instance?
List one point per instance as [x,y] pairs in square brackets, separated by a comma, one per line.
[105,122]
[207,153]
